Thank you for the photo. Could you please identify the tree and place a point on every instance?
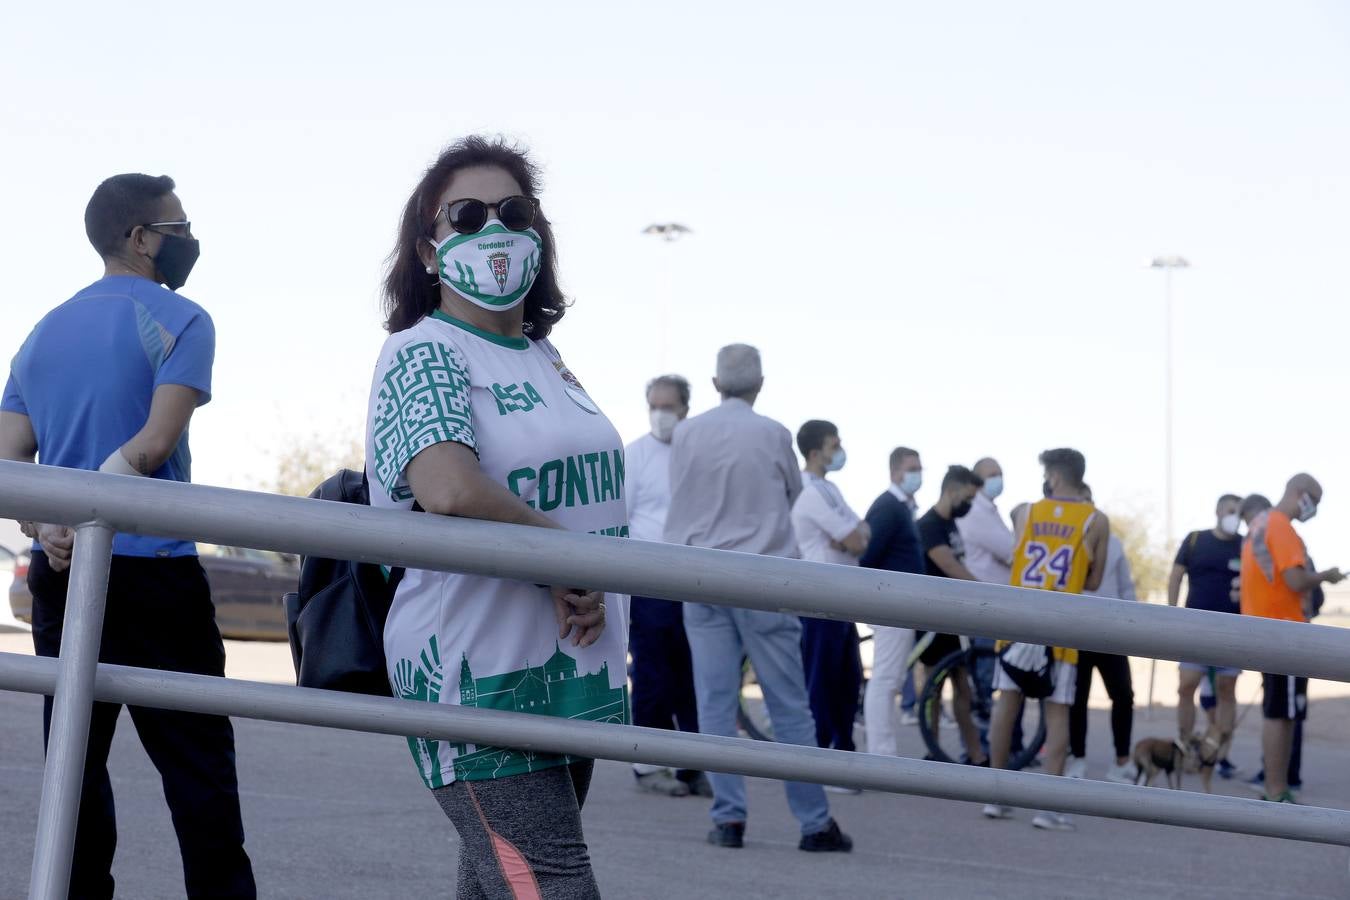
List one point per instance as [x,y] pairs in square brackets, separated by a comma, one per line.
[306,460]
[1149,560]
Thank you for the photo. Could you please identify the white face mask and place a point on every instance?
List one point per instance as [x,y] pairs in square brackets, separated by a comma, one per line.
[1229,523]
[1307,507]
[493,268]
[837,461]
[911,482]
[663,424]
[993,486]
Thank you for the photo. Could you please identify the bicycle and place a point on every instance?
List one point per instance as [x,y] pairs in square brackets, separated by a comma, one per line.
[944,744]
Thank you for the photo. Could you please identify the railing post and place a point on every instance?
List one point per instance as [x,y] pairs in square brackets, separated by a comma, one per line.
[72,705]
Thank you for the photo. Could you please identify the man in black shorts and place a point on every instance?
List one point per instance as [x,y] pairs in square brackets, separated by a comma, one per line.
[944,557]
[1209,561]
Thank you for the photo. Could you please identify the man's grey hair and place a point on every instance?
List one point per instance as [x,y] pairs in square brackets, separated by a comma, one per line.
[738,370]
[678,382]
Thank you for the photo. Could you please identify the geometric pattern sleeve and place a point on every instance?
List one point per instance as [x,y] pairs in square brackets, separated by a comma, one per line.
[423,399]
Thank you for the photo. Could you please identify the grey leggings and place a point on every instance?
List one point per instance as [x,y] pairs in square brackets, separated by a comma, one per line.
[520,837]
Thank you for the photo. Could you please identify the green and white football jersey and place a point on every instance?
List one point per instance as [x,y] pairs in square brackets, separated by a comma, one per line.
[492,643]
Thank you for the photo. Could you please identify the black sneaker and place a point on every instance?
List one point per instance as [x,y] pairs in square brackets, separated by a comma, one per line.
[728,834]
[831,840]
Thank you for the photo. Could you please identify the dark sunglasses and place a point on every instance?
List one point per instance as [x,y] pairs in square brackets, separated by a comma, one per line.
[469,216]
[181,227]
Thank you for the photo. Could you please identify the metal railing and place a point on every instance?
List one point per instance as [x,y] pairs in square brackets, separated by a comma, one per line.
[98,505]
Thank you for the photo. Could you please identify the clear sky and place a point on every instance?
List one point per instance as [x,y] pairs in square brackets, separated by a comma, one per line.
[933,219]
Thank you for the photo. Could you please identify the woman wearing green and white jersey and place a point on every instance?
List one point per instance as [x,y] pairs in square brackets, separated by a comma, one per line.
[473,413]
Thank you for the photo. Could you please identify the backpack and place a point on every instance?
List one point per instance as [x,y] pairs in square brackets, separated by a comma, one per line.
[336,620]
[1031,667]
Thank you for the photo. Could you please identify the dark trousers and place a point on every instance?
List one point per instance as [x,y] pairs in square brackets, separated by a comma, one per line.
[159,615]
[1296,755]
[663,670]
[833,679]
[1115,672]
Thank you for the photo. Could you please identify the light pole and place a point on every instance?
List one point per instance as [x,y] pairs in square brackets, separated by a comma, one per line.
[668,232]
[1168,264]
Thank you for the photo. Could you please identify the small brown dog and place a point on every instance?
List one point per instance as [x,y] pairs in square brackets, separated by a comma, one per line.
[1154,755]
[1204,753]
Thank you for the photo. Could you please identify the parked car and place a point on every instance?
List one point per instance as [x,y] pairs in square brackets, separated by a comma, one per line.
[20,602]
[246,587]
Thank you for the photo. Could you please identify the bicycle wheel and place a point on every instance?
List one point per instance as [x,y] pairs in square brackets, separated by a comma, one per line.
[939,729]
[943,739]
[1027,742]
[751,715]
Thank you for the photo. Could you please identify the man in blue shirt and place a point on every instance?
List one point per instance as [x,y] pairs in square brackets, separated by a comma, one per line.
[108,381]
[895,545]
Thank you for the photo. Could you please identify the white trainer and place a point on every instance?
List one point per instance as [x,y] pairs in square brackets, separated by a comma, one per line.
[1053,822]
[994,811]
[1126,774]
[1076,767]
[908,718]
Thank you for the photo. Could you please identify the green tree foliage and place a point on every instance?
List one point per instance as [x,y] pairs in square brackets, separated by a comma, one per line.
[1149,560]
[306,460]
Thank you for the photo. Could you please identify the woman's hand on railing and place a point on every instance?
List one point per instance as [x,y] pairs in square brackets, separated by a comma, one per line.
[581,614]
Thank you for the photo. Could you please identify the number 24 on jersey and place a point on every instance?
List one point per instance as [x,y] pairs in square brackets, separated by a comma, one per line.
[1042,564]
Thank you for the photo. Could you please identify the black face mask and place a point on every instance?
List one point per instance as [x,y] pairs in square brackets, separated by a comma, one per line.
[1045,489]
[959,511]
[175,259]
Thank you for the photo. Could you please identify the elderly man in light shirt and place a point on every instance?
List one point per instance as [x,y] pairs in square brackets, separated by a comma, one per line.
[733,480]
[662,670]
[988,539]
[989,549]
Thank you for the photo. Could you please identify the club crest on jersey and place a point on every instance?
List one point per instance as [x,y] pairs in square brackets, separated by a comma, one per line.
[500,264]
[572,387]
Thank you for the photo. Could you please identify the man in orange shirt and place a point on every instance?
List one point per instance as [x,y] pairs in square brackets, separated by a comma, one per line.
[1277,583]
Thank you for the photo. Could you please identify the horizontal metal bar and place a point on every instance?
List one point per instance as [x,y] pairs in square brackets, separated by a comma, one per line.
[280,703]
[348,531]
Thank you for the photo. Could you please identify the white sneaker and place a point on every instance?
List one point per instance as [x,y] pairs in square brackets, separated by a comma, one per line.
[908,718]
[1126,774]
[662,781]
[1053,822]
[1076,768]
[840,789]
[994,811]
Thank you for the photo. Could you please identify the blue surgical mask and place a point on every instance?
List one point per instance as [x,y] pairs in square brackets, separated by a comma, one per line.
[837,461]
[912,481]
[993,486]
[1307,507]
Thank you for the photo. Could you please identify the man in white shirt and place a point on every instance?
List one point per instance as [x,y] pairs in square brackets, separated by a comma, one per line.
[663,672]
[828,531]
[988,539]
[989,546]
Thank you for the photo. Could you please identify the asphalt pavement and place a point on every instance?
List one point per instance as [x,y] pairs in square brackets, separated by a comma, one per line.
[333,814]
